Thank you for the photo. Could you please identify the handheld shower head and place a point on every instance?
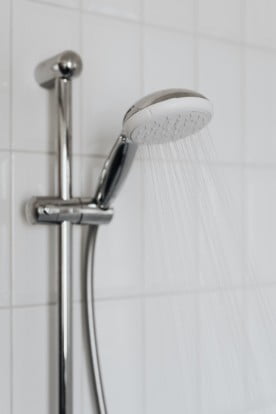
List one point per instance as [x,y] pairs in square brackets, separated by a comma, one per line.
[160,117]
[167,115]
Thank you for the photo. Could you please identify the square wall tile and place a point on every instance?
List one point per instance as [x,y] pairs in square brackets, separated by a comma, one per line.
[260,22]
[261,342]
[5,362]
[222,353]
[220,70]
[5,247]
[221,226]
[35,351]
[34,246]
[171,365]
[118,254]
[56,29]
[261,225]
[168,60]
[128,9]
[111,79]
[177,14]
[260,128]
[5,74]
[120,338]
[220,18]
[169,223]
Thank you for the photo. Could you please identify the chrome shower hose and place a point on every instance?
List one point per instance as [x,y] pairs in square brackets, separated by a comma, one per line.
[95,377]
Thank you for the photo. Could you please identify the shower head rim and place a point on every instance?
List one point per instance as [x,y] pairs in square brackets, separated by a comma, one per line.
[160,96]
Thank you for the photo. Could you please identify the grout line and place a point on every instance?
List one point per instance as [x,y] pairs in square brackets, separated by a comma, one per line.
[5,151]
[244,203]
[124,18]
[80,185]
[159,294]
[11,278]
[144,357]
[215,163]
[41,152]
[197,230]
[52,4]
[142,55]
[81,131]
[143,232]
[118,17]
[11,202]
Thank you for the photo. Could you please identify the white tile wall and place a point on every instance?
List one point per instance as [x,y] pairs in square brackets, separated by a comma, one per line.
[221,353]
[260,114]
[35,360]
[171,370]
[175,14]
[261,225]
[259,22]
[222,18]
[5,74]
[164,65]
[34,247]
[162,350]
[5,362]
[108,94]
[261,369]
[220,78]
[5,194]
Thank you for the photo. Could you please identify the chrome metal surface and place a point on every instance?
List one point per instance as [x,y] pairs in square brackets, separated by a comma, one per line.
[97,389]
[65,65]
[63,90]
[160,96]
[76,211]
[114,171]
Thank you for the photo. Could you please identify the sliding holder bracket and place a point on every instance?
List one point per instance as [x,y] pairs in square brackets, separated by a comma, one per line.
[53,210]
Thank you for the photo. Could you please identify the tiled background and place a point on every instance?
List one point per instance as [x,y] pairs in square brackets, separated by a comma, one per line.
[159,350]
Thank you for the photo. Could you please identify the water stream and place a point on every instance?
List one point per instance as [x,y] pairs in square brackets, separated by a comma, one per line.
[195,246]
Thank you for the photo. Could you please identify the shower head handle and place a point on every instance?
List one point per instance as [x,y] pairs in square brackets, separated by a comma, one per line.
[114,171]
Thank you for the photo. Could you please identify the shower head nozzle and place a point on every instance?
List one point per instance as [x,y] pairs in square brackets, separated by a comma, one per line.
[161,117]
[167,115]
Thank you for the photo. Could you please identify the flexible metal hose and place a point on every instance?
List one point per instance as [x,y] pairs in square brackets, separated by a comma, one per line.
[97,391]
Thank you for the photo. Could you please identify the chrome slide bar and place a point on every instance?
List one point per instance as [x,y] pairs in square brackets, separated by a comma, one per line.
[57,74]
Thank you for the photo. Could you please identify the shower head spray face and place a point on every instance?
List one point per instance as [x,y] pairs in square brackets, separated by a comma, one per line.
[166,116]
[161,117]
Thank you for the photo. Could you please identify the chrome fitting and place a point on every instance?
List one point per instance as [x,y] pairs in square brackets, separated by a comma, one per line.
[45,210]
[65,65]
